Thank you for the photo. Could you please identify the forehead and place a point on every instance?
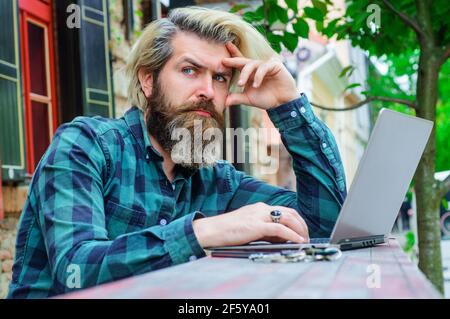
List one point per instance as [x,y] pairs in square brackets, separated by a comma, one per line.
[209,53]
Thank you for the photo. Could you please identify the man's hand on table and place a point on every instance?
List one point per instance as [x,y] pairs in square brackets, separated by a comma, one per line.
[250,223]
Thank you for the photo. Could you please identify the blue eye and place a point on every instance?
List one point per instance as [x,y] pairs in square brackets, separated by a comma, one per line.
[220,78]
[188,71]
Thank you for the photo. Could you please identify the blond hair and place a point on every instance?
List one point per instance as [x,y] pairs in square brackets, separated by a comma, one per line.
[153,48]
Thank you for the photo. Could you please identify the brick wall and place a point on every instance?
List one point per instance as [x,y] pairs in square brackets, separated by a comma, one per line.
[7,251]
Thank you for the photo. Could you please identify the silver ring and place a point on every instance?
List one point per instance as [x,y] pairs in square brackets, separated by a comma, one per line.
[275,215]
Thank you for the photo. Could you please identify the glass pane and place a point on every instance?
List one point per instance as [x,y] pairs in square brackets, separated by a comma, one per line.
[36,52]
[41,140]
[94,56]
[96,4]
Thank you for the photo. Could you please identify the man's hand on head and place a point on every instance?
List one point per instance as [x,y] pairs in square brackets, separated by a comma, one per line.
[250,223]
[266,84]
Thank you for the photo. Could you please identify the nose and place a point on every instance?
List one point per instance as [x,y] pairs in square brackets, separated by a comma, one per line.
[206,89]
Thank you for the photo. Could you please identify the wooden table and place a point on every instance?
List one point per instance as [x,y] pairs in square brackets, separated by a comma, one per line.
[354,275]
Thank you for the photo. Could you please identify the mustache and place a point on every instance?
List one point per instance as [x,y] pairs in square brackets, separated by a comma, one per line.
[202,105]
[207,106]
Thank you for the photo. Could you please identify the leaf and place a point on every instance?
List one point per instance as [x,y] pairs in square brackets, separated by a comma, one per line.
[238,7]
[275,40]
[281,13]
[359,22]
[445,204]
[345,70]
[320,5]
[319,26]
[292,4]
[313,13]
[261,29]
[260,12]
[290,41]
[271,16]
[349,74]
[351,86]
[410,240]
[331,28]
[301,28]
[250,16]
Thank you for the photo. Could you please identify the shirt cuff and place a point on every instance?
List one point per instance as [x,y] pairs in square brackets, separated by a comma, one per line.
[180,239]
[292,114]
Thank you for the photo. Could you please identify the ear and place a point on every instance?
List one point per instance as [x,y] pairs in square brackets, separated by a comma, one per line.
[146,81]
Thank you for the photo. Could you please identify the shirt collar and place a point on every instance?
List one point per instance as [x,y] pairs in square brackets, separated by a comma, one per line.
[134,118]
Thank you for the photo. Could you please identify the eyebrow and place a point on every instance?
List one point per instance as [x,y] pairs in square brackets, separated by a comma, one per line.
[200,66]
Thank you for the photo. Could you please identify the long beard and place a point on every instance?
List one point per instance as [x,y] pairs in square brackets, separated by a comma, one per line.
[183,133]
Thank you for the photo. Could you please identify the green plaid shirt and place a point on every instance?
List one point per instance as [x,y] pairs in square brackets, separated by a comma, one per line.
[101,207]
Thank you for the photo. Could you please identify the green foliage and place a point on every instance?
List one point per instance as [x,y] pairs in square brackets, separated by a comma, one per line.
[444,204]
[410,242]
[290,41]
[238,7]
[321,6]
[409,246]
[301,28]
[139,13]
[292,4]
[351,86]
[313,13]
[443,120]
[265,17]
[348,69]
[405,65]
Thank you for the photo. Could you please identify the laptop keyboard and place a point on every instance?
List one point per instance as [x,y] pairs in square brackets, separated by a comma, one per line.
[319,240]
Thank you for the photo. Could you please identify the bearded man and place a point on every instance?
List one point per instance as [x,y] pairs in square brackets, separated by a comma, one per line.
[112,199]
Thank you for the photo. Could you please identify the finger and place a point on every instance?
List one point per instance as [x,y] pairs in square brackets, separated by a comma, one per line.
[262,71]
[293,220]
[236,99]
[297,216]
[237,63]
[247,71]
[293,223]
[281,231]
[233,49]
[273,239]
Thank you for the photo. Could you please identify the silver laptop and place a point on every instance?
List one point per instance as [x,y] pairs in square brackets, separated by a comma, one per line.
[378,188]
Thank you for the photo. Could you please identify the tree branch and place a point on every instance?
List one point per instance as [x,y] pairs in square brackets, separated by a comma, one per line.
[369,99]
[405,18]
[445,55]
[444,187]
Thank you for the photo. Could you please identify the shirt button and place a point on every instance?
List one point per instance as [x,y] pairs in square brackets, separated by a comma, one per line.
[293,114]
[163,222]
[324,145]
[302,110]
[192,258]
[147,157]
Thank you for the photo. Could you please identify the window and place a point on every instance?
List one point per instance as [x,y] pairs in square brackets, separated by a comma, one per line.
[38,78]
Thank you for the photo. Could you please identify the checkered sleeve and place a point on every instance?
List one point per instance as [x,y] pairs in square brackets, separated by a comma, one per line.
[320,177]
[70,211]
